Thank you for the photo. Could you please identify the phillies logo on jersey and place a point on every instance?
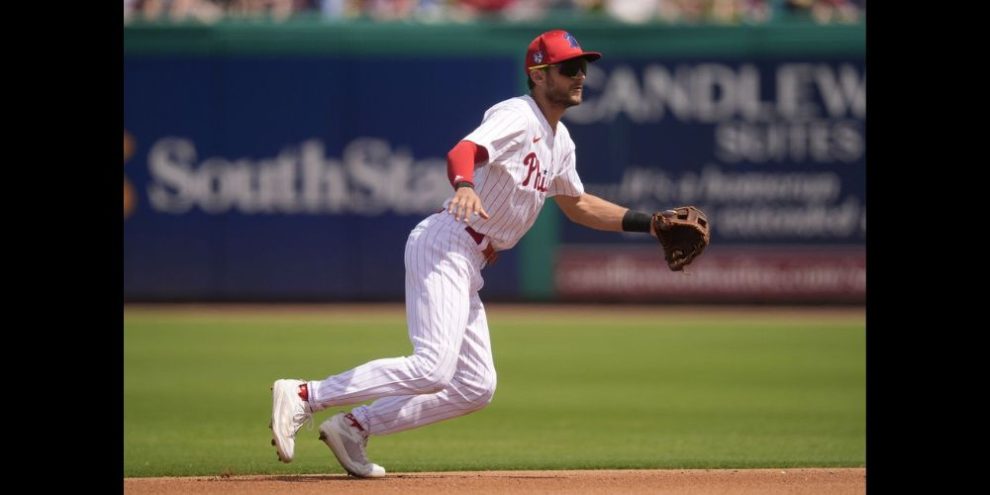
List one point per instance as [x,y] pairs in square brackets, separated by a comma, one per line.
[533,165]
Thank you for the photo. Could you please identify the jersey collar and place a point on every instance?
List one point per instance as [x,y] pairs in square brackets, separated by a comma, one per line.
[551,133]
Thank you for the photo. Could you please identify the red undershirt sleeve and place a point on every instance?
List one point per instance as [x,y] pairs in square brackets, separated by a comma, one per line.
[462,159]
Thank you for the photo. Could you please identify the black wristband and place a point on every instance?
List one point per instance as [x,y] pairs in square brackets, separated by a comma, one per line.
[636,221]
[463,183]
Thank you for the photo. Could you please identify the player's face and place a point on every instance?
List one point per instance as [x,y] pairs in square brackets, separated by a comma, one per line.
[565,82]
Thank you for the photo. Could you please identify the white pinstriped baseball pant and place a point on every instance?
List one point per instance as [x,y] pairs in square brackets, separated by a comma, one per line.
[451,371]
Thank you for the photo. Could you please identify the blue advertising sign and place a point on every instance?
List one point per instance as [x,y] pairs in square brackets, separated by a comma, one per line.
[773,150]
[263,177]
[291,177]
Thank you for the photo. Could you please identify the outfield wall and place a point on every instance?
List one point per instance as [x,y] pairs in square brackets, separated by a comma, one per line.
[289,162]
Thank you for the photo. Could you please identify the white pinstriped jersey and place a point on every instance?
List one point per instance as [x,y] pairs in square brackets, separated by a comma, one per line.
[527,162]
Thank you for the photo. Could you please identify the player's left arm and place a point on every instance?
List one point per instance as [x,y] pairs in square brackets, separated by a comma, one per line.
[593,212]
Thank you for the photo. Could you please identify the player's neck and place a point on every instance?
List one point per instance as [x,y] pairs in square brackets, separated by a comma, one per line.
[551,111]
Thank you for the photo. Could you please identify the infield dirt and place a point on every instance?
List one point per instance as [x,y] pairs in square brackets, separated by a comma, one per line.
[818,481]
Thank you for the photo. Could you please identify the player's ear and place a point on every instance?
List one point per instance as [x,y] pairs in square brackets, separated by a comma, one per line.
[537,75]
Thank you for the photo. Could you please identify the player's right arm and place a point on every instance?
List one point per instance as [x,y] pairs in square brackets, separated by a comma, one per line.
[501,131]
[461,161]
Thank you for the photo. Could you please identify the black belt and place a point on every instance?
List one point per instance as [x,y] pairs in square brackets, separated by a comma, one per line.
[489,252]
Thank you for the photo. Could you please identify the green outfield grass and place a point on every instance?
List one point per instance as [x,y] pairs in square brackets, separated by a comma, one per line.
[622,389]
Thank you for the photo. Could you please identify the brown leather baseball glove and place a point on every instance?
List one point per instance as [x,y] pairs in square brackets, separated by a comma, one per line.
[683,233]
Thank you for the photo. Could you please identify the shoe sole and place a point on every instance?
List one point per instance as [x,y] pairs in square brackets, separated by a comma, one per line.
[333,441]
[278,450]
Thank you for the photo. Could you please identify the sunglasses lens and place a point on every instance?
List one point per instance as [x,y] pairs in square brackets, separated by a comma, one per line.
[570,68]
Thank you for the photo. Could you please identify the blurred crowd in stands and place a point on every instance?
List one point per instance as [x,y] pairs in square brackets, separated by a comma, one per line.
[631,11]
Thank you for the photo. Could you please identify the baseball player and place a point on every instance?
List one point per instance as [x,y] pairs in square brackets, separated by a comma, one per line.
[502,172]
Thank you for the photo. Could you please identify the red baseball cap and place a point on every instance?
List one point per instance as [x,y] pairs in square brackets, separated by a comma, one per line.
[555,46]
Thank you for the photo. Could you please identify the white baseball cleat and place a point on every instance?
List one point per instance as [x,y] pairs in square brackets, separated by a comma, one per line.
[289,413]
[348,440]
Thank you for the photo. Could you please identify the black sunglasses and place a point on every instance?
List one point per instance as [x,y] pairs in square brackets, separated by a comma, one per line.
[568,68]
